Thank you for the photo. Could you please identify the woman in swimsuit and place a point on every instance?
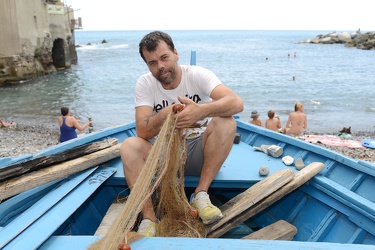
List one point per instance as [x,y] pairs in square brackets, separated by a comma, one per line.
[68,125]
[297,121]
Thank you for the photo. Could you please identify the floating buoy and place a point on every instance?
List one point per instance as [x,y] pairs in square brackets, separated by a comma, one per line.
[177,108]
[193,212]
[124,246]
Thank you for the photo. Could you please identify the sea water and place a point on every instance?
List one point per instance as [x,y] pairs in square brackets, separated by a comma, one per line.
[336,84]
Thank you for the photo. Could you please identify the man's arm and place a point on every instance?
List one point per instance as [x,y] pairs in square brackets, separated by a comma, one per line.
[147,124]
[226,103]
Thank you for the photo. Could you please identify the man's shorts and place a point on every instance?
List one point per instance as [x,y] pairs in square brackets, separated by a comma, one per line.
[194,160]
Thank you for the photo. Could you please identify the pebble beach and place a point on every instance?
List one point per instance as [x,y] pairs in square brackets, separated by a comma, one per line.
[28,139]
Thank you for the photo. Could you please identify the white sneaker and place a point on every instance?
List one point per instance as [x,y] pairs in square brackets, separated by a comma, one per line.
[147,228]
[207,212]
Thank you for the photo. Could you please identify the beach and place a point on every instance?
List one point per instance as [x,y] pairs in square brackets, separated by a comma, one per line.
[28,139]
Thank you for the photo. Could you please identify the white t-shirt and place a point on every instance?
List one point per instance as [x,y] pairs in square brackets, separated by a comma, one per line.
[196,83]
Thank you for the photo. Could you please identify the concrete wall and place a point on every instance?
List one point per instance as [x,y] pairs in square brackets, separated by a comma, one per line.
[9,34]
[36,38]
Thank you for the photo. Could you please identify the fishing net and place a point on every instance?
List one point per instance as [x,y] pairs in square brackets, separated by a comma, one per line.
[164,168]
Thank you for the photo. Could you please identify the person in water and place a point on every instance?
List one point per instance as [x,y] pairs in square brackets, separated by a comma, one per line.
[68,125]
[273,121]
[297,121]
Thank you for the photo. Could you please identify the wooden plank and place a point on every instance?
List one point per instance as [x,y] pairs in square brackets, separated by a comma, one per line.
[13,229]
[34,164]
[20,184]
[280,230]
[40,230]
[109,218]
[299,179]
[251,196]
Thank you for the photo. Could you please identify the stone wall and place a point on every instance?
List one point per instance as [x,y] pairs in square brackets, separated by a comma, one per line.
[36,38]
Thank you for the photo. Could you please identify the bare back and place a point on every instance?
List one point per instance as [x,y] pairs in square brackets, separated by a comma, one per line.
[296,123]
[273,124]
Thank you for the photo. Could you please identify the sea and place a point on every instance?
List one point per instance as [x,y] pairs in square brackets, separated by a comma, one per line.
[336,84]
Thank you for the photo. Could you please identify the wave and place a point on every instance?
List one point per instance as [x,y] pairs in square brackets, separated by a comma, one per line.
[102,47]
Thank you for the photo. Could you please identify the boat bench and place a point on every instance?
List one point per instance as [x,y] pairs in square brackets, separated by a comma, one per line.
[63,201]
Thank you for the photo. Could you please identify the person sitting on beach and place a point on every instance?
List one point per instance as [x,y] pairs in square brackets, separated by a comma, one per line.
[273,121]
[255,120]
[6,124]
[68,125]
[297,121]
[195,87]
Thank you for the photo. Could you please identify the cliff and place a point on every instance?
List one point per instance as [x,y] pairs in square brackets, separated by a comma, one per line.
[36,37]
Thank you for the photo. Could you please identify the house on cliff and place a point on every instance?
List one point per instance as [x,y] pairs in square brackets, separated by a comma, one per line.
[36,38]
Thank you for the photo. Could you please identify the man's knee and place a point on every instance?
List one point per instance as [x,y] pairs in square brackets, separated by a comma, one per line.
[226,125]
[134,147]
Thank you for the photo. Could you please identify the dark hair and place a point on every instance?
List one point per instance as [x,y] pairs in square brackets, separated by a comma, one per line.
[64,111]
[152,40]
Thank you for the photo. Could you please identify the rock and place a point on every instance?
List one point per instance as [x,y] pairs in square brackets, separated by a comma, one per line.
[288,160]
[275,151]
[264,170]
[364,41]
[299,164]
[265,148]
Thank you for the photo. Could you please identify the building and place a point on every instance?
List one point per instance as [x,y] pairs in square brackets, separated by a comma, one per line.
[36,38]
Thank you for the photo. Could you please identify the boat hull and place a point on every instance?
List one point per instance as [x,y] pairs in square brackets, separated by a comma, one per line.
[335,209]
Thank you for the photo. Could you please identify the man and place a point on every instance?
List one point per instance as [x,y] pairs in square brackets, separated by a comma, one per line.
[207,146]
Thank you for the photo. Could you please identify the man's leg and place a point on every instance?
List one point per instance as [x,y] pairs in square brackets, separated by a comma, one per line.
[217,143]
[134,152]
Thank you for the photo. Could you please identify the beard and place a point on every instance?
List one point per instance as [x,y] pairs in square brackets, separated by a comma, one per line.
[166,80]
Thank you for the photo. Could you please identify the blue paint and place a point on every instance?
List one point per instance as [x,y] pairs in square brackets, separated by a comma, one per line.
[337,205]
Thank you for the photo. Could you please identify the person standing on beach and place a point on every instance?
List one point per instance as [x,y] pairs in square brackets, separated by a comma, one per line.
[254,116]
[297,121]
[68,125]
[273,121]
[195,87]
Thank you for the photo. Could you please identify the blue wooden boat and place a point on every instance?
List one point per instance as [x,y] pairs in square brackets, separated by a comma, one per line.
[333,210]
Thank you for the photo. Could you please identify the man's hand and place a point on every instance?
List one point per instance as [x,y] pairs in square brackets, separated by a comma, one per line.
[190,114]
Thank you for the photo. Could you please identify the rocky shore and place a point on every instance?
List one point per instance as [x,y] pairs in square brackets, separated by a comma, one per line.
[27,139]
[359,40]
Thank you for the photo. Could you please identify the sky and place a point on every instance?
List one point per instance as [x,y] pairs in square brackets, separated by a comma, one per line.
[331,15]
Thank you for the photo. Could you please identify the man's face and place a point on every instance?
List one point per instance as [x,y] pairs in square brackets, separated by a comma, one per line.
[163,64]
